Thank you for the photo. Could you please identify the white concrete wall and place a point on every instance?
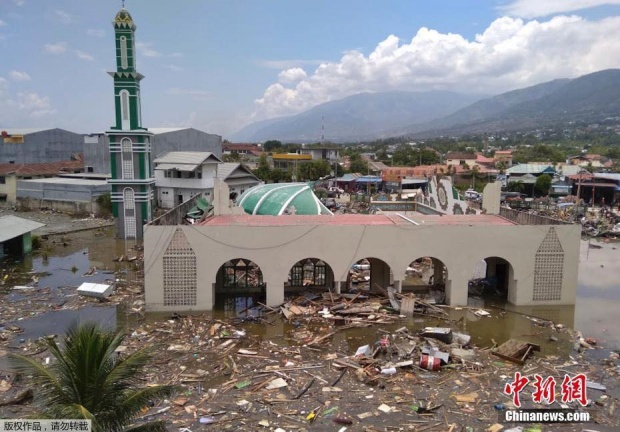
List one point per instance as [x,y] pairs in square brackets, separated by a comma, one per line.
[277,248]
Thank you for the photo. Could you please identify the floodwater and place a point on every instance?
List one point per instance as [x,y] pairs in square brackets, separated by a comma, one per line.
[598,300]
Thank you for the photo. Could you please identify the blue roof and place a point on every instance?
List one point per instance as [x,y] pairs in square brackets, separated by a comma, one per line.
[369,179]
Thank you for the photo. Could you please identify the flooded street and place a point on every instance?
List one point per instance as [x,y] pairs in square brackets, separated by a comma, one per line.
[62,266]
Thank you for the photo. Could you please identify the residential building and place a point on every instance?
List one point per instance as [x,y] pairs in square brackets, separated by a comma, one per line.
[288,162]
[591,160]
[27,146]
[237,176]
[10,174]
[182,175]
[519,171]
[503,156]
[461,159]
[330,154]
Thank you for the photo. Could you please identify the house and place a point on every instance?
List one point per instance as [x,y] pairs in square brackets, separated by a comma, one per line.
[503,156]
[376,168]
[10,174]
[237,176]
[96,146]
[519,171]
[329,154]
[180,175]
[457,158]
[70,194]
[591,160]
[249,154]
[15,235]
[288,162]
[27,146]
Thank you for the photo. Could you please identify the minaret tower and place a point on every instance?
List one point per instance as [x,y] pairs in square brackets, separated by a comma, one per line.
[132,178]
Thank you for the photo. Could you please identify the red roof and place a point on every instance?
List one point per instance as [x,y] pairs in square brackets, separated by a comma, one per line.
[237,147]
[49,168]
[354,219]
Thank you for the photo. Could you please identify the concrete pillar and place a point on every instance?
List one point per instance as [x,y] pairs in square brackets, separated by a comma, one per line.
[275,291]
[398,286]
[456,290]
[338,286]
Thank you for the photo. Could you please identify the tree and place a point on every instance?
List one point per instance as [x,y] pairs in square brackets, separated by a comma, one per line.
[231,157]
[88,380]
[357,164]
[263,170]
[543,184]
[271,145]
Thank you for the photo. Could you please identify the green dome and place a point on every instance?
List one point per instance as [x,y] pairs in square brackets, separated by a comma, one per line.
[275,198]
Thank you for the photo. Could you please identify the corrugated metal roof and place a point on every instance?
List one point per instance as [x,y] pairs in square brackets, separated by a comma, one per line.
[158,131]
[179,167]
[41,168]
[608,176]
[13,226]
[186,157]
[529,168]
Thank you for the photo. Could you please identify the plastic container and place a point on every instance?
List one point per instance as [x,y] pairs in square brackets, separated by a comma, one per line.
[429,362]
[388,371]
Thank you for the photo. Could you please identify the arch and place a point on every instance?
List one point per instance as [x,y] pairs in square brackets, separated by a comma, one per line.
[368,274]
[127,159]
[124,61]
[129,209]
[239,285]
[428,275]
[125,123]
[310,273]
[493,278]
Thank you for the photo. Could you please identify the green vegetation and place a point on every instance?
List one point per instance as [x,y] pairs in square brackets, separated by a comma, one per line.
[543,184]
[37,242]
[104,204]
[89,380]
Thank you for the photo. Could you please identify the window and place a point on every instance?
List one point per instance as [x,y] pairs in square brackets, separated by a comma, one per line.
[124,62]
[127,156]
[90,169]
[124,94]
[2,180]
[191,174]
[199,175]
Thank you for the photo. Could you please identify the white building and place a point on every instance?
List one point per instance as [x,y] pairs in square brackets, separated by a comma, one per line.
[181,175]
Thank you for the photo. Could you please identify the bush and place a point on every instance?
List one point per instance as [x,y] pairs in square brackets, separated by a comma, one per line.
[104,204]
[37,242]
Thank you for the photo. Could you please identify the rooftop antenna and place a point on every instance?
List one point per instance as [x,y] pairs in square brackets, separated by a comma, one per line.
[322,129]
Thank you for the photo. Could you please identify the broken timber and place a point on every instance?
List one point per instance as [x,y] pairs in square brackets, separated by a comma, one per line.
[515,351]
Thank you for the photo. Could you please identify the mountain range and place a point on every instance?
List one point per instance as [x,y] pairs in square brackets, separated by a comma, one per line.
[368,116]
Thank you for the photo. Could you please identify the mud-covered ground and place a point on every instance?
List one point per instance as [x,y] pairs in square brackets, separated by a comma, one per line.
[301,374]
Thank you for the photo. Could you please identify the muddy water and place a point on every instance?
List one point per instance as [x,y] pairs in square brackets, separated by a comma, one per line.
[597,302]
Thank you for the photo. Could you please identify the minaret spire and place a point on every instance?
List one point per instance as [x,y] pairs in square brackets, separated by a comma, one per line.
[123,2]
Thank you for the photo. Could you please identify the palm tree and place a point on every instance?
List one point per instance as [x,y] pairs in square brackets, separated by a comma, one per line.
[89,380]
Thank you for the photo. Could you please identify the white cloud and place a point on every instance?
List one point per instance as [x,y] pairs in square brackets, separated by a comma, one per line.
[509,54]
[538,8]
[174,68]
[288,64]
[95,32]
[56,48]
[84,56]
[177,55]
[19,2]
[196,93]
[19,76]
[2,23]
[146,49]
[63,17]
[33,104]
[292,75]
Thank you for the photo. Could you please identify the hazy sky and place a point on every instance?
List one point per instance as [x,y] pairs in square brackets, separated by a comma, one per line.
[217,65]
